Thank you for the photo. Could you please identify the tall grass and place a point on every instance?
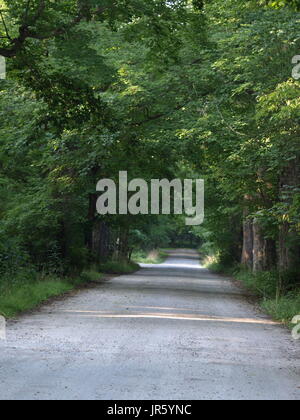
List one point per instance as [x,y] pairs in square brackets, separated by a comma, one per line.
[283,308]
[24,295]
[26,289]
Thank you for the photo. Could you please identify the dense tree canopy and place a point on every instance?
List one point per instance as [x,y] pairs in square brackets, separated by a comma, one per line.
[160,89]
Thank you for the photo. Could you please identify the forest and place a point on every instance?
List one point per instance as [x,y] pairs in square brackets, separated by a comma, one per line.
[179,89]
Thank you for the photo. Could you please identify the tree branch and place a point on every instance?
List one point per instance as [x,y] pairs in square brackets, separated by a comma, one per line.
[4,24]
[25,32]
[158,116]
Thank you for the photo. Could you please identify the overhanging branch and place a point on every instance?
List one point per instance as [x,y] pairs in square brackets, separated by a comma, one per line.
[26,31]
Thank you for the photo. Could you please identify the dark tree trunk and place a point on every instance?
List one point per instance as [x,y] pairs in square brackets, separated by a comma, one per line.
[264,250]
[258,248]
[123,251]
[98,238]
[91,221]
[63,240]
[289,246]
[104,249]
[247,254]
[271,254]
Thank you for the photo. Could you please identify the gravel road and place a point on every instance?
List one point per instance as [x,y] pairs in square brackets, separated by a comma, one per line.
[170,331]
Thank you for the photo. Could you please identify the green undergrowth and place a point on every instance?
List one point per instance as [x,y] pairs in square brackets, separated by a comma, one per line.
[22,296]
[21,292]
[119,267]
[27,289]
[279,295]
[156,256]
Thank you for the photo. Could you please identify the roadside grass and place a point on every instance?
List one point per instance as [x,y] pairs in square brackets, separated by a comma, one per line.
[23,292]
[23,296]
[91,275]
[281,300]
[284,308]
[262,284]
[27,289]
[156,256]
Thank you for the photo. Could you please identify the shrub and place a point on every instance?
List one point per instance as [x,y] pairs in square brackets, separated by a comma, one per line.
[118,267]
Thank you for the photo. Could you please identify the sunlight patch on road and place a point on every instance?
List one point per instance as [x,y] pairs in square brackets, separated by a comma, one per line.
[173,265]
[174,316]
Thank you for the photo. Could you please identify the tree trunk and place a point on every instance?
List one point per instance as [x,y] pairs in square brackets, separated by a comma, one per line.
[271,254]
[91,220]
[104,242]
[247,254]
[258,247]
[123,250]
[289,247]
[264,250]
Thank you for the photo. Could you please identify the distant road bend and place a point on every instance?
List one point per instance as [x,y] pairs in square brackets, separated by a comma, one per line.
[170,331]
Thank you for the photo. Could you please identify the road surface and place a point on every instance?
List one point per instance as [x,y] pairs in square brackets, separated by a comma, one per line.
[171,331]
